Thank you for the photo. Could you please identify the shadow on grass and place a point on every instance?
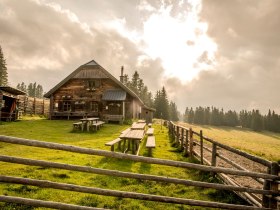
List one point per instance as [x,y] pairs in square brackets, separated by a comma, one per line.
[15,206]
[115,164]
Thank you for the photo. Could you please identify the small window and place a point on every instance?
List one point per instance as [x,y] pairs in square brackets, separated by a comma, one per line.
[94,106]
[94,84]
[66,106]
[79,105]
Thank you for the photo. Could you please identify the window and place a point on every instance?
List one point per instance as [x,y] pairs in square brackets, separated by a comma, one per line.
[94,106]
[114,108]
[66,106]
[79,105]
[93,84]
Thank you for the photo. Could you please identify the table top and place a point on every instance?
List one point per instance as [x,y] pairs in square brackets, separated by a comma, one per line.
[133,134]
[138,126]
[90,119]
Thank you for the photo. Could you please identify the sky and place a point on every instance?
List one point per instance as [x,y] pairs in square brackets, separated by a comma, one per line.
[222,53]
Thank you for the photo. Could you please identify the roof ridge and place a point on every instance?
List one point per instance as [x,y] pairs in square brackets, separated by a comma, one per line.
[91,63]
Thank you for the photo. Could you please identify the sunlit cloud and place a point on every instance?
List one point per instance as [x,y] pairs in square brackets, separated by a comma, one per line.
[179,42]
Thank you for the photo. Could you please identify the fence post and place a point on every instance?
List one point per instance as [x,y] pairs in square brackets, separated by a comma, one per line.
[169,127]
[186,143]
[214,157]
[182,139]
[191,143]
[34,106]
[201,147]
[266,186]
[173,132]
[43,111]
[177,136]
[274,185]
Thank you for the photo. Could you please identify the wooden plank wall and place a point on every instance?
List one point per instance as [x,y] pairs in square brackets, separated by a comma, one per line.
[34,106]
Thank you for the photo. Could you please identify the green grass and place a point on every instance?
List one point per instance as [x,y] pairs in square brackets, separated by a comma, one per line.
[264,144]
[60,131]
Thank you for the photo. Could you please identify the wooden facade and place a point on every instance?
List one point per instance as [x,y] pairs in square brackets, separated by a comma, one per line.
[91,91]
[9,102]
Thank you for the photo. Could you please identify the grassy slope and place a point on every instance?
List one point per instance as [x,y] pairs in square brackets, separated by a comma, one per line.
[60,132]
[264,144]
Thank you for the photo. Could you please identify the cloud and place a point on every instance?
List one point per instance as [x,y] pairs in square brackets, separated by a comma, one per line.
[246,71]
[44,42]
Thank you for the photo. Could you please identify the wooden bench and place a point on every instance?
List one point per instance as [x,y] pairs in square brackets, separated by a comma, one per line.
[150,125]
[77,126]
[96,126]
[150,132]
[112,143]
[150,144]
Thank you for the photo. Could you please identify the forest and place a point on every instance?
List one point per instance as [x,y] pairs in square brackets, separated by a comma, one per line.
[246,119]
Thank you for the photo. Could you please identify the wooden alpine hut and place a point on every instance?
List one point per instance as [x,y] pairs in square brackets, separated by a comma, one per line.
[9,102]
[91,91]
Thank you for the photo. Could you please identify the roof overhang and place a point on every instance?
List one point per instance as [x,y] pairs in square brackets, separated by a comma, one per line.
[114,95]
[12,90]
[149,108]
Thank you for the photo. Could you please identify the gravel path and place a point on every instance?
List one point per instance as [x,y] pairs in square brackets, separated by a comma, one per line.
[241,161]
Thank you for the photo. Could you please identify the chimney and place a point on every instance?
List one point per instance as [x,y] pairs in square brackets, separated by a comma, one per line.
[121,77]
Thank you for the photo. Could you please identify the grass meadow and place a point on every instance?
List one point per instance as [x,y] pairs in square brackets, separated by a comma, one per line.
[60,131]
[264,144]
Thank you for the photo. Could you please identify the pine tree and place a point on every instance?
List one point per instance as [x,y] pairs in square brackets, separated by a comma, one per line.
[191,116]
[39,91]
[186,115]
[256,123]
[3,70]
[164,104]
[173,111]
[199,115]
[138,86]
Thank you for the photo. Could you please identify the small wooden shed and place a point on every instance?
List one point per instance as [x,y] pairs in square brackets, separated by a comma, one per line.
[92,91]
[9,103]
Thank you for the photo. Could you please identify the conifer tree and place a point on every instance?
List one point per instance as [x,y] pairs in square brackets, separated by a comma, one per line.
[173,111]
[186,115]
[3,70]
[191,116]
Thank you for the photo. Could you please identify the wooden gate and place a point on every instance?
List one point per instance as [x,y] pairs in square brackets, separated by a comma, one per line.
[271,178]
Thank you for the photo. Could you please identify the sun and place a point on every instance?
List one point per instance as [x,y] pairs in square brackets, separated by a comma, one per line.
[181,43]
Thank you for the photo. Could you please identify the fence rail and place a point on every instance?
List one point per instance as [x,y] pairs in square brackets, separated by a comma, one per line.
[184,138]
[123,194]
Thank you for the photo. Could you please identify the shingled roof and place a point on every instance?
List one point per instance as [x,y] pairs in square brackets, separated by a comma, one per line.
[82,72]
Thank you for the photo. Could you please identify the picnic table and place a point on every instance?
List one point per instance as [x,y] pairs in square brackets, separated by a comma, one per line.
[133,137]
[138,126]
[87,122]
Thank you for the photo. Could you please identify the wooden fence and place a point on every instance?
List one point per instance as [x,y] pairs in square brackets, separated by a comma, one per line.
[33,105]
[123,194]
[195,144]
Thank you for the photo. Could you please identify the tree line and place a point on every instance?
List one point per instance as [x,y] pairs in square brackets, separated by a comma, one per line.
[247,119]
[165,109]
[33,89]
